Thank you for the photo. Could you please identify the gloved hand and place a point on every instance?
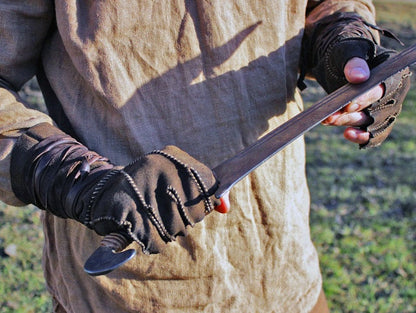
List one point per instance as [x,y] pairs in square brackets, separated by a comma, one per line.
[337,39]
[150,201]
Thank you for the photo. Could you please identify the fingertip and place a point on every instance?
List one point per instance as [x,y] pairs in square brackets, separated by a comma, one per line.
[356,135]
[350,134]
[331,120]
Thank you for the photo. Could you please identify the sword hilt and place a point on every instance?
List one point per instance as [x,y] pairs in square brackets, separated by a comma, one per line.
[107,257]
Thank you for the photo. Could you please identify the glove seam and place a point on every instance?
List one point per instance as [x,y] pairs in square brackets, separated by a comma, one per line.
[181,208]
[157,222]
[94,196]
[195,177]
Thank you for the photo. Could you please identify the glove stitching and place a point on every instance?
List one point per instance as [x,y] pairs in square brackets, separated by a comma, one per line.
[96,191]
[181,208]
[203,190]
[164,234]
[381,127]
[169,157]
[195,177]
[330,70]
[379,105]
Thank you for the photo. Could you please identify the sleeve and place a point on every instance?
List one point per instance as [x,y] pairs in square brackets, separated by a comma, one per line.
[24,26]
[318,9]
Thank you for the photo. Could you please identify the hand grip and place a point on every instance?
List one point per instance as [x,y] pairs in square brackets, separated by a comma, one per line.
[107,257]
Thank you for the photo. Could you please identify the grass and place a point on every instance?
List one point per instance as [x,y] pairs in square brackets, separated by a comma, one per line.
[362,216]
[22,286]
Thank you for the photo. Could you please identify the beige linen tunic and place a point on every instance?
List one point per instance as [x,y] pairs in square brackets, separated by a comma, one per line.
[208,76]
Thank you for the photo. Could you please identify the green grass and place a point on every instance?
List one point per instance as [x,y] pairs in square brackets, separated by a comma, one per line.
[399,13]
[363,216]
[22,286]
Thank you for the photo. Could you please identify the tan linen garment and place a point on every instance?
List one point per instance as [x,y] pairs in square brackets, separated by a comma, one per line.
[208,76]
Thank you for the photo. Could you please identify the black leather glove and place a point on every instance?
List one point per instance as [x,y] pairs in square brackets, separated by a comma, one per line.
[336,39]
[150,201]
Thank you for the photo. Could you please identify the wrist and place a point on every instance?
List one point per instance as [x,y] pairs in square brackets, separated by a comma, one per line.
[49,169]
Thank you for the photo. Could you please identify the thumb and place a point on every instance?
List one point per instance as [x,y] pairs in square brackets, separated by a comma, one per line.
[356,70]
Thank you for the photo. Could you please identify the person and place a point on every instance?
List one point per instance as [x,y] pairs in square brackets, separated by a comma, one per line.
[130,86]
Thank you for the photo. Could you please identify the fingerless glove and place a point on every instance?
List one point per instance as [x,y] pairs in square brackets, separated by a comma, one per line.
[334,40]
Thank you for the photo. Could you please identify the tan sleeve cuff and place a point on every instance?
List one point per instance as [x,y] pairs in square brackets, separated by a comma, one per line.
[6,193]
[364,8]
[15,117]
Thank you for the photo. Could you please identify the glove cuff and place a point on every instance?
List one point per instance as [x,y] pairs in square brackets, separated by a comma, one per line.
[336,39]
[48,168]
[23,155]
[329,43]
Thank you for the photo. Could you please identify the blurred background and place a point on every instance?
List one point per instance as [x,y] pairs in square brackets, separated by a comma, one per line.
[363,213]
